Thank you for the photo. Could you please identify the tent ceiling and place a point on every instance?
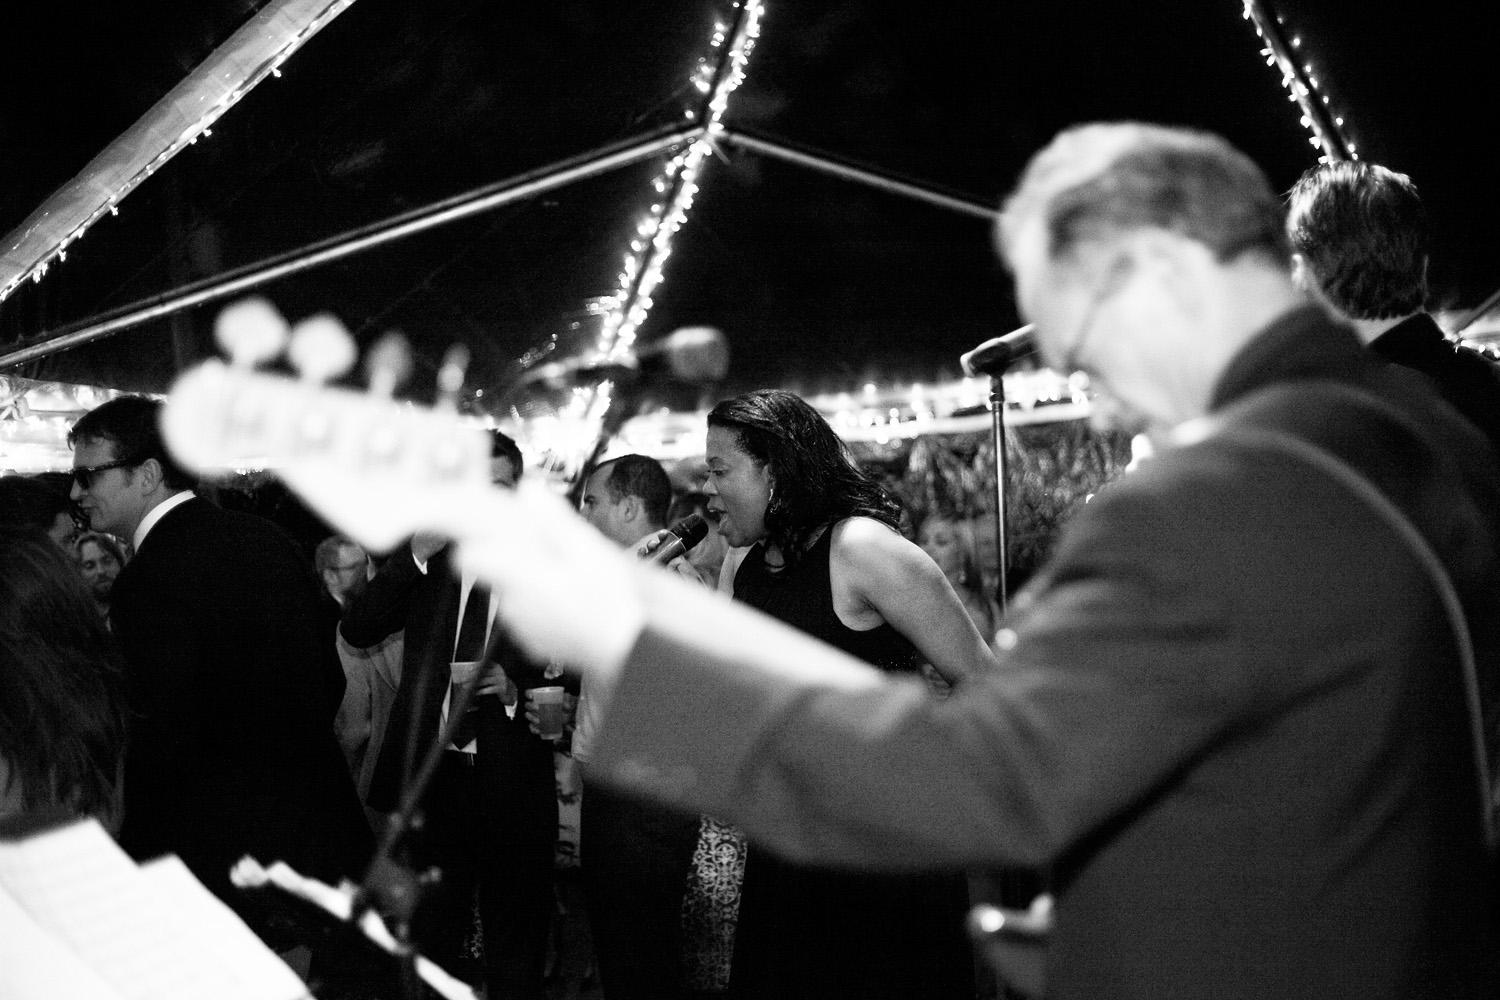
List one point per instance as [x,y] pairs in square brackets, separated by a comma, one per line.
[819,283]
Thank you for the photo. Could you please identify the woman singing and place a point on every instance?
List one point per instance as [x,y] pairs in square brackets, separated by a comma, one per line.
[827,559]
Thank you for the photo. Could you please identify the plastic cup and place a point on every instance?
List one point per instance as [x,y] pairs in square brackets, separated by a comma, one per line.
[551,711]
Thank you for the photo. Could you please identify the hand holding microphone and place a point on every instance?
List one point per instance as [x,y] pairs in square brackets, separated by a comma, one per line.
[666,545]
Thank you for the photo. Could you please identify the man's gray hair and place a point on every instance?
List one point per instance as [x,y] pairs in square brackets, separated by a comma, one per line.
[1099,180]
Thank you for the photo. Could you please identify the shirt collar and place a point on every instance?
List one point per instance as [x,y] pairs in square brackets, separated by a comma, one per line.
[157,513]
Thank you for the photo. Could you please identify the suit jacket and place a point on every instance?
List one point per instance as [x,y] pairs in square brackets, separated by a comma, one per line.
[515,766]
[234,685]
[1468,380]
[1229,713]
[371,679]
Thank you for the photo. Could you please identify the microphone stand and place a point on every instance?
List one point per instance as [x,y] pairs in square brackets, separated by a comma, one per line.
[1015,888]
[389,887]
[993,358]
[1002,477]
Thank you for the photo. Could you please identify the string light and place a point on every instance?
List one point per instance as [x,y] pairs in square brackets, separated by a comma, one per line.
[624,310]
[35,418]
[567,435]
[1301,85]
[189,136]
[890,413]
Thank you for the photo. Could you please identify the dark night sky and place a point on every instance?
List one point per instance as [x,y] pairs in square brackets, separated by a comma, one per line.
[819,283]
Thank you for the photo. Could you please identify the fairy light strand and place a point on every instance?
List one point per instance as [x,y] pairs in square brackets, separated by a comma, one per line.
[566,437]
[623,311]
[201,127]
[1300,82]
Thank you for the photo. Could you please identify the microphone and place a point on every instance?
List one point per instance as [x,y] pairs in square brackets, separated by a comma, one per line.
[696,354]
[680,537]
[693,354]
[997,354]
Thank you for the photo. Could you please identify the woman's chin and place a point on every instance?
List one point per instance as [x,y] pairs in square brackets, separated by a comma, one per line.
[735,538]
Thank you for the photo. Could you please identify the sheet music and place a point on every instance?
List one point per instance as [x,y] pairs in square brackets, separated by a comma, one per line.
[34,965]
[202,918]
[78,885]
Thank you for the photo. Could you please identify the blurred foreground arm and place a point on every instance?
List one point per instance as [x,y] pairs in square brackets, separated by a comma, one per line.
[716,708]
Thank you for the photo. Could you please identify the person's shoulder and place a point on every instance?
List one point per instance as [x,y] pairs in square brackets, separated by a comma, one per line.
[869,545]
[860,530]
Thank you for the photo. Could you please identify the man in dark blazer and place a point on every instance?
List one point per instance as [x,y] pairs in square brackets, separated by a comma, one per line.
[490,813]
[233,682]
[1360,240]
[1232,712]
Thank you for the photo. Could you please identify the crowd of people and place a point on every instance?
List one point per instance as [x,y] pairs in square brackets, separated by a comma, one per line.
[1244,718]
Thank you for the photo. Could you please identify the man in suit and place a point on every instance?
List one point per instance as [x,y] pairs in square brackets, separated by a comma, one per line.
[635,853]
[233,683]
[1233,710]
[1360,240]
[490,813]
[371,676]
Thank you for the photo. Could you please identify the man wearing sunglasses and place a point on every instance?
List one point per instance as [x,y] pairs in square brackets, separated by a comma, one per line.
[235,684]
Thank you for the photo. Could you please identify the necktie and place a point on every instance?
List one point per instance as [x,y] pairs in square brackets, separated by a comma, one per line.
[471,641]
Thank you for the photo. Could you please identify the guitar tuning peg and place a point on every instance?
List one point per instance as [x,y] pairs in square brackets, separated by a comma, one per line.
[451,376]
[321,349]
[387,364]
[250,331]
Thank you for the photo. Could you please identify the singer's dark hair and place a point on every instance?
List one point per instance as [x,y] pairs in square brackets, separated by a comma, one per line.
[642,477]
[62,702]
[814,482]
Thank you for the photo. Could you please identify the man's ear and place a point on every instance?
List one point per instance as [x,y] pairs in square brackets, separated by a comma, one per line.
[632,507]
[149,475]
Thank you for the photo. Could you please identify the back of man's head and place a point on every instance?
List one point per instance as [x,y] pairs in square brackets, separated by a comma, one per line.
[502,445]
[1097,181]
[26,502]
[642,477]
[133,425]
[330,552]
[1363,236]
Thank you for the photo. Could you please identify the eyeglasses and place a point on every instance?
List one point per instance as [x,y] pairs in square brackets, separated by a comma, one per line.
[84,477]
[1113,282]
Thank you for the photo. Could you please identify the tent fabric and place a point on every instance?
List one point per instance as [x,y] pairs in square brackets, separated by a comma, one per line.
[177,120]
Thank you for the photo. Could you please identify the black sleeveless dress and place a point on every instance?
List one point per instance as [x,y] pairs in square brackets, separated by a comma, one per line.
[820,933]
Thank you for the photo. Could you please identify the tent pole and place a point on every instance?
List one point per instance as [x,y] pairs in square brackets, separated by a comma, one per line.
[857,174]
[1477,313]
[355,241]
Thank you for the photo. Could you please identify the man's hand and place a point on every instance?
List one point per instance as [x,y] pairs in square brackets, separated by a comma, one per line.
[494,681]
[570,717]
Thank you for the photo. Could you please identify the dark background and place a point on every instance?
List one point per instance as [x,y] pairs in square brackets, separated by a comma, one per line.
[819,283]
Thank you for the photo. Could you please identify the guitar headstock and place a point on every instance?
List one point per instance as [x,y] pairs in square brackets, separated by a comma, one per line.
[376,468]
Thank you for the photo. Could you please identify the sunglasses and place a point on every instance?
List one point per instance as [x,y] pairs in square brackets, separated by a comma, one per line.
[84,477]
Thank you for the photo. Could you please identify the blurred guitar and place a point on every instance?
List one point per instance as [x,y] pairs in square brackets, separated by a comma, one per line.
[380,470]
[376,468]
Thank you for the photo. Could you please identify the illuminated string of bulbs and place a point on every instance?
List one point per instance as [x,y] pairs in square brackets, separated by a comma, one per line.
[201,127]
[565,438]
[1300,82]
[624,310]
